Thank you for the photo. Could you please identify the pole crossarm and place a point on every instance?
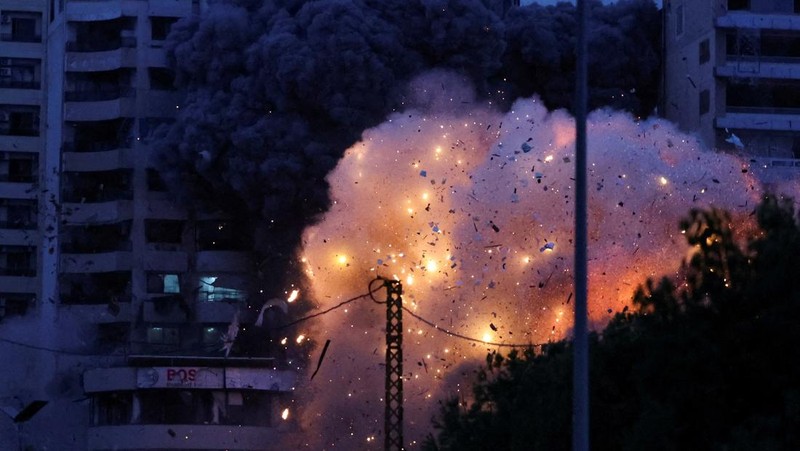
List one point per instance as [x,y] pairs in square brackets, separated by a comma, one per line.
[393,428]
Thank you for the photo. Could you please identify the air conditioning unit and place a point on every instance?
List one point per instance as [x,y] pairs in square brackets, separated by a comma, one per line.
[5,71]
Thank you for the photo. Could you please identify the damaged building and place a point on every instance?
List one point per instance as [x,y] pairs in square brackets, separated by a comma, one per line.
[732,75]
[115,302]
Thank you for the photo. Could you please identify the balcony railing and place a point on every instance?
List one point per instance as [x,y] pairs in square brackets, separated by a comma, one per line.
[19,37]
[94,146]
[98,95]
[762,110]
[19,131]
[18,225]
[13,84]
[20,272]
[100,45]
[18,178]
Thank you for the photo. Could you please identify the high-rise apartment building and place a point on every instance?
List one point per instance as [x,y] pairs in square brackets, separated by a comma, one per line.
[114,301]
[732,75]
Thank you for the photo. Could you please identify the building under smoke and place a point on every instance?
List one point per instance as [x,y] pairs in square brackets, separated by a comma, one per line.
[115,302]
[732,75]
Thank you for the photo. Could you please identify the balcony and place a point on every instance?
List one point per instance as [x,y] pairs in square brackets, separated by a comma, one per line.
[166,260]
[9,236]
[223,261]
[12,190]
[101,212]
[93,10]
[20,37]
[99,313]
[101,61]
[165,309]
[241,373]
[96,263]
[192,437]
[18,284]
[88,45]
[176,8]
[761,67]
[100,110]
[744,19]
[210,312]
[760,118]
[98,161]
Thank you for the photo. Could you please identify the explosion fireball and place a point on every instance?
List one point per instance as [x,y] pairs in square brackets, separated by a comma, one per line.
[472,210]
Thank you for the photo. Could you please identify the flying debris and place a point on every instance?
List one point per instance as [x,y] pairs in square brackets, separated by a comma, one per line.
[229,337]
[275,302]
[733,139]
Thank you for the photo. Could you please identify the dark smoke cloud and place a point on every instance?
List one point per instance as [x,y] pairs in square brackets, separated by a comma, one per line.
[278,89]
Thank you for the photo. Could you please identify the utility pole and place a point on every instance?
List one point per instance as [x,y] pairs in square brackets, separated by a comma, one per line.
[580,368]
[393,427]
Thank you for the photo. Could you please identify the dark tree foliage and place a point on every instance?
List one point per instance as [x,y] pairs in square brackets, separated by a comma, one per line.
[277,90]
[711,362]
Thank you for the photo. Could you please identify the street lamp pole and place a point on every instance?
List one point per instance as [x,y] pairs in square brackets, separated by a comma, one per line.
[580,379]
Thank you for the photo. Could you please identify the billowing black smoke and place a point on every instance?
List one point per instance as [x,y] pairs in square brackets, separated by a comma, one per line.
[278,89]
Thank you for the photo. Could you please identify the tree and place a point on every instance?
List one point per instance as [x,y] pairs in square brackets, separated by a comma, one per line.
[703,361]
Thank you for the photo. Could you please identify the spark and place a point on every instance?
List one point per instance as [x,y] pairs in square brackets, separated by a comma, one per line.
[293,296]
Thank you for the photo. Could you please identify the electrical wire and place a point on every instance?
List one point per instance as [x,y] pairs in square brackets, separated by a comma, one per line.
[339,305]
[474,340]
[44,348]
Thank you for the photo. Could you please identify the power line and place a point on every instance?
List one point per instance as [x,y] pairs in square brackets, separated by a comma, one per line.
[44,348]
[474,340]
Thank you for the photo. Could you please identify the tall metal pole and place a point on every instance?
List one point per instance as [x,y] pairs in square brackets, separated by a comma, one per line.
[393,427]
[580,378]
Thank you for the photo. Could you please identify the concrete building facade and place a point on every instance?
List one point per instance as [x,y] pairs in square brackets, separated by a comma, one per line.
[113,299]
[732,75]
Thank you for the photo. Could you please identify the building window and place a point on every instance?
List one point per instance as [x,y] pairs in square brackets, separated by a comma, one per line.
[678,20]
[213,289]
[15,304]
[161,79]
[163,283]
[154,181]
[113,408]
[163,231]
[213,335]
[739,5]
[704,51]
[160,26]
[163,335]
[705,102]
[19,120]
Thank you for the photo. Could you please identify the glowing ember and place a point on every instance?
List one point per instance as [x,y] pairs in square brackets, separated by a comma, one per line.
[285,414]
[300,338]
[293,296]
